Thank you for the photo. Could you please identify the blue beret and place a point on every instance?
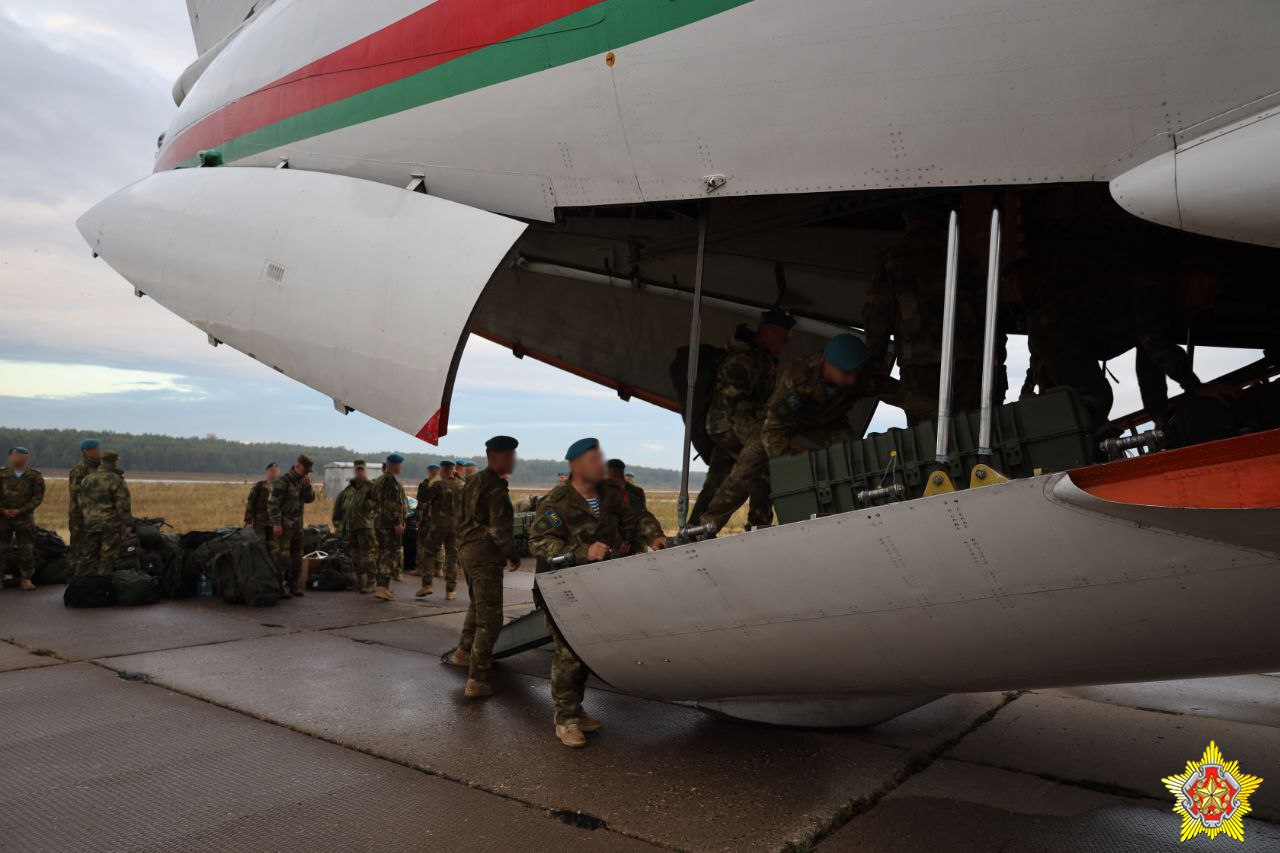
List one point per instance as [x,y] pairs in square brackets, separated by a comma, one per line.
[774,317]
[616,463]
[21,450]
[461,462]
[395,459]
[845,352]
[579,447]
[90,444]
[433,467]
[501,443]
[446,464]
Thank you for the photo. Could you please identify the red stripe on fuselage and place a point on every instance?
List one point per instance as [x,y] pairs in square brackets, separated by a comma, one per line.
[429,37]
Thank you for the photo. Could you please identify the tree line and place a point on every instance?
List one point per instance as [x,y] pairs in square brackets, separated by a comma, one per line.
[60,448]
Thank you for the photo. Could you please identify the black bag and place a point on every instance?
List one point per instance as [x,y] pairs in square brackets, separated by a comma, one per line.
[149,536]
[50,573]
[709,358]
[129,557]
[331,578]
[313,535]
[194,539]
[50,547]
[243,571]
[89,591]
[135,588]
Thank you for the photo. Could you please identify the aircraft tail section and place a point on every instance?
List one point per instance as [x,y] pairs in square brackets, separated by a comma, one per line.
[214,20]
[360,290]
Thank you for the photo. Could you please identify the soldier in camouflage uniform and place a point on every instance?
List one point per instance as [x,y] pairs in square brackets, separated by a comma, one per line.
[290,494]
[466,470]
[108,514]
[255,507]
[354,485]
[425,564]
[90,456]
[809,408]
[442,499]
[744,382]
[486,545]
[590,518]
[359,522]
[906,301]
[389,509]
[1115,311]
[21,491]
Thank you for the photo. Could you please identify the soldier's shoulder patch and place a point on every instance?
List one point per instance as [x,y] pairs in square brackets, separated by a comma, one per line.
[548,520]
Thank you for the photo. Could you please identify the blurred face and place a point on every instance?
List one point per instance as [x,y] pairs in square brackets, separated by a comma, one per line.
[618,475]
[362,473]
[273,474]
[446,473]
[589,468]
[502,462]
[773,339]
[299,470]
[393,468]
[840,378]
[431,475]
[95,453]
[18,461]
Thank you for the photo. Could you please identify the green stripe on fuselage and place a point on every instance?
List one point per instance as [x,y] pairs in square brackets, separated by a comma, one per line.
[594,30]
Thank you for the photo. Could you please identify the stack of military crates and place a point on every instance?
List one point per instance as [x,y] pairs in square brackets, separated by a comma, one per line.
[523,521]
[1037,435]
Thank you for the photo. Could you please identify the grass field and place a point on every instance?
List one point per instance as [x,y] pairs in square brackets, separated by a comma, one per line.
[208,506]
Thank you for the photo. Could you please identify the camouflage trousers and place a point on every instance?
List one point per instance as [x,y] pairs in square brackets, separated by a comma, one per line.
[918,389]
[749,475]
[76,562]
[426,562]
[568,678]
[389,555]
[21,533]
[1077,368]
[364,555]
[287,551]
[441,537]
[719,468]
[484,615]
[101,550]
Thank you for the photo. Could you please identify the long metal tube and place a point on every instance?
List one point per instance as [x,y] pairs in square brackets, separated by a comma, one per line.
[695,344]
[989,339]
[948,341]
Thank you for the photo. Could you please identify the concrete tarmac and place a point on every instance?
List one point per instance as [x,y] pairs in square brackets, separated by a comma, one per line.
[328,723]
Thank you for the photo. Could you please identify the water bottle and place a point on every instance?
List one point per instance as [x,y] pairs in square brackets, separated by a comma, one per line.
[204,587]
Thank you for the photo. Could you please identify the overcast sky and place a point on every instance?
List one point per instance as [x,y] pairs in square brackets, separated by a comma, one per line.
[84,92]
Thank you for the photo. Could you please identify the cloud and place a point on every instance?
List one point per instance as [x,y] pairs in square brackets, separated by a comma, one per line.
[36,380]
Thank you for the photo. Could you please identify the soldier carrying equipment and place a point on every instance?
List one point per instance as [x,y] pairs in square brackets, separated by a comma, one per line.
[486,545]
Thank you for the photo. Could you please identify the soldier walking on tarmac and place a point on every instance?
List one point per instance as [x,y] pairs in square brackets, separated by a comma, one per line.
[21,491]
[90,458]
[390,510]
[588,518]
[486,546]
[442,499]
[289,496]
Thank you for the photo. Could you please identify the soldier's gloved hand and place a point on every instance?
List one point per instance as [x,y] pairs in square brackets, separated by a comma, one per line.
[658,543]
[597,551]
[277,529]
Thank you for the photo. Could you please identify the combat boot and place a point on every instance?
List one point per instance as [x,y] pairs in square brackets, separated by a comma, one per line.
[384,593]
[27,585]
[450,595]
[571,735]
[589,723]
[423,591]
[460,658]
[477,689]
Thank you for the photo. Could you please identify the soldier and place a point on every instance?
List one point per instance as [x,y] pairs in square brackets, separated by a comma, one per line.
[108,514]
[289,495]
[617,470]
[466,469]
[906,301]
[90,456]
[744,382]
[563,476]
[590,518]
[255,508]
[442,498]
[359,522]
[486,545]
[21,491]
[809,408]
[420,520]
[354,485]
[389,508]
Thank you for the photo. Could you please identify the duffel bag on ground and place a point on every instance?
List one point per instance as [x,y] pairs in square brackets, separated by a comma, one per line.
[134,587]
[129,557]
[89,591]
[53,572]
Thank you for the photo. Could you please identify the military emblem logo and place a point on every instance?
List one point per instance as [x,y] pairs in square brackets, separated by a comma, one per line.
[1212,796]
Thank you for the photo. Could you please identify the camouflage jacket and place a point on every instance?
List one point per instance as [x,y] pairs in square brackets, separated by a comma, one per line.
[906,301]
[342,507]
[486,520]
[288,496]
[386,504]
[638,498]
[358,510]
[23,493]
[565,523]
[255,507]
[78,473]
[744,381]
[442,502]
[800,406]
[420,514]
[105,500]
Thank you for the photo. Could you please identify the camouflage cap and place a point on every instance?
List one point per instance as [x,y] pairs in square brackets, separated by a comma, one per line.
[110,457]
[306,463]
[360,463]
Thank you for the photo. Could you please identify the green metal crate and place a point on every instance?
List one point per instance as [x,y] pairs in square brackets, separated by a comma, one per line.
[1037,435]
[523,522]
